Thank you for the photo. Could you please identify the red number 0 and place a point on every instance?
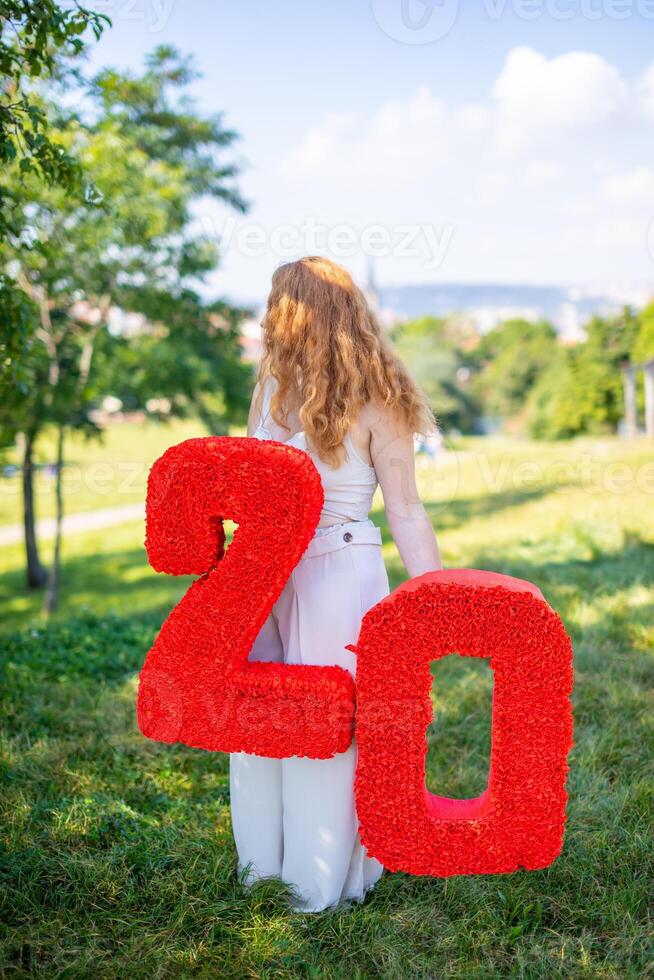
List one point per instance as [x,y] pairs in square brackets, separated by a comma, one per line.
[197,686]
[518,821]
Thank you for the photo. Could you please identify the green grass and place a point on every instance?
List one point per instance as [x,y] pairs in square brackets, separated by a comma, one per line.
[109,471]
[116,853]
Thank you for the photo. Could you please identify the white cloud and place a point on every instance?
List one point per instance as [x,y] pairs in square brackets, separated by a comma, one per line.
[547,177]
[539,172]
[633,187]
[415,137]
[536,95]
[536,106]
[646,92]
[624,233]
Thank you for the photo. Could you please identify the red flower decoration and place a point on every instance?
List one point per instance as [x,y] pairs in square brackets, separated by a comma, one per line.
[518,821]
[197,686]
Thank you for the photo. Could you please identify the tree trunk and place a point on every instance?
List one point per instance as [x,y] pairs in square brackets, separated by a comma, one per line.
[36,573]
[52,591]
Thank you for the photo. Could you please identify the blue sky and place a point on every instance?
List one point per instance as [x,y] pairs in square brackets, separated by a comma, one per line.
[478,141]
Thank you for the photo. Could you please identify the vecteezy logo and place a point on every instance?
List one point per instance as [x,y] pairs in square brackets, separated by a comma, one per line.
[415,21]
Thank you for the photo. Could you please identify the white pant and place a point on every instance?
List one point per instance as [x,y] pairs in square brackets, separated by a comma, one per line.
[295,818]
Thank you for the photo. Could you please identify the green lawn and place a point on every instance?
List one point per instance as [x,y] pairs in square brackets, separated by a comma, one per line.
[116,853]
[109,471]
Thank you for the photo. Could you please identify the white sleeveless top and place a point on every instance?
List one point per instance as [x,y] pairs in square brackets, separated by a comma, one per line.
[348,488]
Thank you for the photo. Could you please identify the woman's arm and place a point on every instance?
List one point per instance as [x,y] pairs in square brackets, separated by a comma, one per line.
[391,449]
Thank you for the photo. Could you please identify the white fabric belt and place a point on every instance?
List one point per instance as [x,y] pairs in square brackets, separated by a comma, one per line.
[342,536]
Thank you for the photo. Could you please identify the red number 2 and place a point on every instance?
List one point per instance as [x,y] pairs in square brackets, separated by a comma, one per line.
[197,686]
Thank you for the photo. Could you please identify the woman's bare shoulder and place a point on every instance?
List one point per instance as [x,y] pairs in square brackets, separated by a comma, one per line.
[372,413]
[377,417]
[376,426]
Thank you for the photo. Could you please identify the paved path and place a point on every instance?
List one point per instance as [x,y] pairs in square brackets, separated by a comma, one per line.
[92,520]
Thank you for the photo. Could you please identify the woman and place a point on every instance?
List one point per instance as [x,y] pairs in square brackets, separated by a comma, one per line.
[328,384]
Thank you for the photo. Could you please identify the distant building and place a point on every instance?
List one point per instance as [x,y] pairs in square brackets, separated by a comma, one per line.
[370,290]
[251,339]
[568,308]
[386,317]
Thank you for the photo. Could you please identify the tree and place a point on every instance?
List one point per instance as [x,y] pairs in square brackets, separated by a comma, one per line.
[150,157]
[437,353]
[581,392]
[644,343]
[22,368]
[511,358]
[185,361]
[35,38]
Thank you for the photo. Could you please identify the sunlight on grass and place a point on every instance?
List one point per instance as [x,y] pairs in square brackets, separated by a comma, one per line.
[107,472]
[117,852]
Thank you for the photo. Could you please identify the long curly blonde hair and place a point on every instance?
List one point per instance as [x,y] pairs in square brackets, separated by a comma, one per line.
[324,348]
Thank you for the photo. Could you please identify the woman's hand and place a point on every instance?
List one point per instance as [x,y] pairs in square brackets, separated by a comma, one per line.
[393,456]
